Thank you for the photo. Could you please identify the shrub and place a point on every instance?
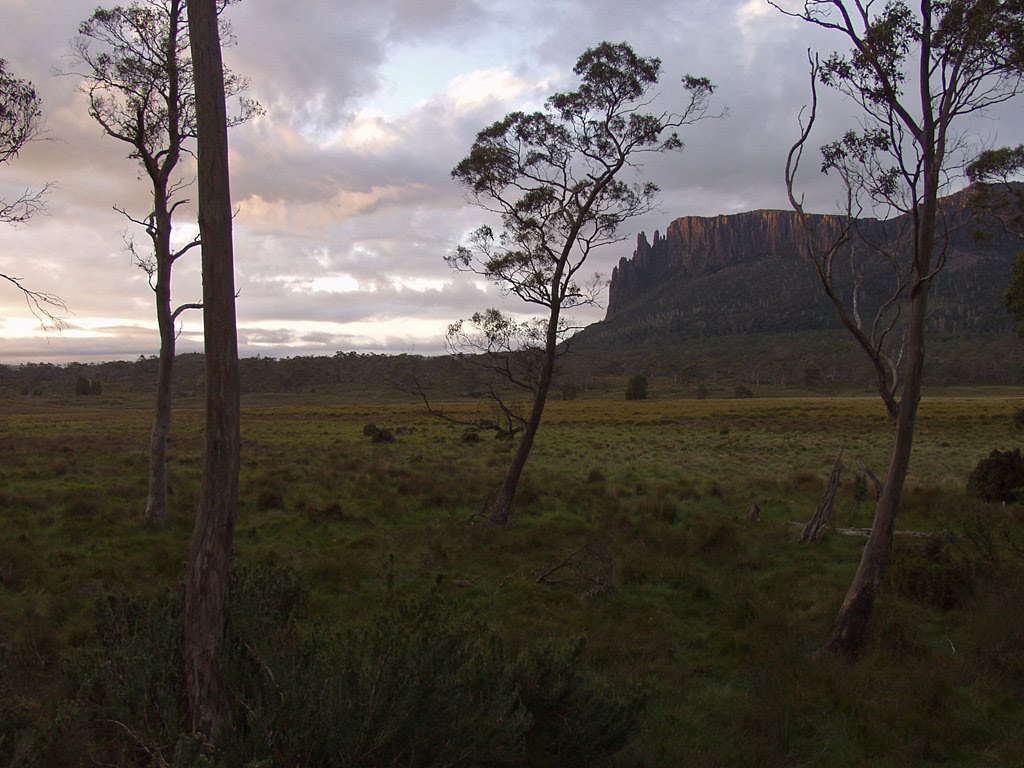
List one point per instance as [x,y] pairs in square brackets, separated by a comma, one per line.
[378,434]
[576,722]
[929,574]
[637,388]
[743,392]
[1018,419]
[998,477]
[702,392]
[424,685]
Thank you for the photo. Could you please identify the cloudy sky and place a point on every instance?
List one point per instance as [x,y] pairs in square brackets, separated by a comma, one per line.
[346,206]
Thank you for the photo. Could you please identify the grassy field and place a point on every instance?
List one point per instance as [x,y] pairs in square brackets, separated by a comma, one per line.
[713,616]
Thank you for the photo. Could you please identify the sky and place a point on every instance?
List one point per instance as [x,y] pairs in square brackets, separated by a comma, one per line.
[345,202]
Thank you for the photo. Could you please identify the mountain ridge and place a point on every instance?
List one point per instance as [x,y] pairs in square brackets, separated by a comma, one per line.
[683,278]
[699,297]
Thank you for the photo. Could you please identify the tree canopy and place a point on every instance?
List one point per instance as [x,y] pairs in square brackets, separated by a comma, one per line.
[21,121]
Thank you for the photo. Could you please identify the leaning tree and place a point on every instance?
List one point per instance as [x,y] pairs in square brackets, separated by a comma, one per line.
[915,74]
[553,179]
[138,77]
[21,121]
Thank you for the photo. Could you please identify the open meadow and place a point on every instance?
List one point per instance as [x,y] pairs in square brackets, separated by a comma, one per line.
[630,531]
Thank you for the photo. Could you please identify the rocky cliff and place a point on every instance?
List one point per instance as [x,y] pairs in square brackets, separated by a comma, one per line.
[746,273]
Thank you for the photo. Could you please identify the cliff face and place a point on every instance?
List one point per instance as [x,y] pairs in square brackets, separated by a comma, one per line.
[748,273]
[695,245]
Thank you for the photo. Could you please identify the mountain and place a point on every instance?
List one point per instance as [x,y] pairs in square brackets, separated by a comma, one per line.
[709,280]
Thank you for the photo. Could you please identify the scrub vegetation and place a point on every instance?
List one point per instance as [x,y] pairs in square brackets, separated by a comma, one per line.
[630,592]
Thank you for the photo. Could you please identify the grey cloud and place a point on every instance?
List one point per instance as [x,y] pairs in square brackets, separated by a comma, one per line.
[385,215]
[424,19]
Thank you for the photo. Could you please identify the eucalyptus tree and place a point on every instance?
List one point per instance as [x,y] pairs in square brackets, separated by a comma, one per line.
[997,173]
[915,73]
[552,177]
[209,555]
[139,80]
[21,121]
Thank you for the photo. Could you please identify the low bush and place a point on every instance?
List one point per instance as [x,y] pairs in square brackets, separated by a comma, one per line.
[424,685]
[637,388]
[929,573]
[998,477]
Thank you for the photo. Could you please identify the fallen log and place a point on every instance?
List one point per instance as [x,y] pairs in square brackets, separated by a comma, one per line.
[865,532]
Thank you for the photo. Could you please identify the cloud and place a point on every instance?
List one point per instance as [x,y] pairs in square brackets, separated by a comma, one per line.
[483,87]
[346,205]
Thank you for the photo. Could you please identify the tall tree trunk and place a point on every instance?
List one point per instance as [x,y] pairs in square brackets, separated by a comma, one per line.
[850,626]
[210,551]
[156,501]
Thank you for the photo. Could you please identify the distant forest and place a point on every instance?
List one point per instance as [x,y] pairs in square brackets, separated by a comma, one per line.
[820,361]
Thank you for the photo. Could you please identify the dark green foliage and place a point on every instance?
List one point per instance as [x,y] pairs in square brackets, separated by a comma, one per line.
[930,574]
[424,685]
[378,434]
[1014,295]
[999,477]
[637,388]
[134,676]
[1018,419]
[702,391]
[575,722]
[85,386]
[421,687]
[742,392]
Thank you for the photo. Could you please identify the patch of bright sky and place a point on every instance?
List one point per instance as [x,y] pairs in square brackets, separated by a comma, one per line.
[29,327]
[415,72]
[367,330]
[345,283]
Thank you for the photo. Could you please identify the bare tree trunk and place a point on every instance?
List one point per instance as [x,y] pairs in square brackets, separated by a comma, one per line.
[156,501]
[210,551]
[816,525]
[501,506]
